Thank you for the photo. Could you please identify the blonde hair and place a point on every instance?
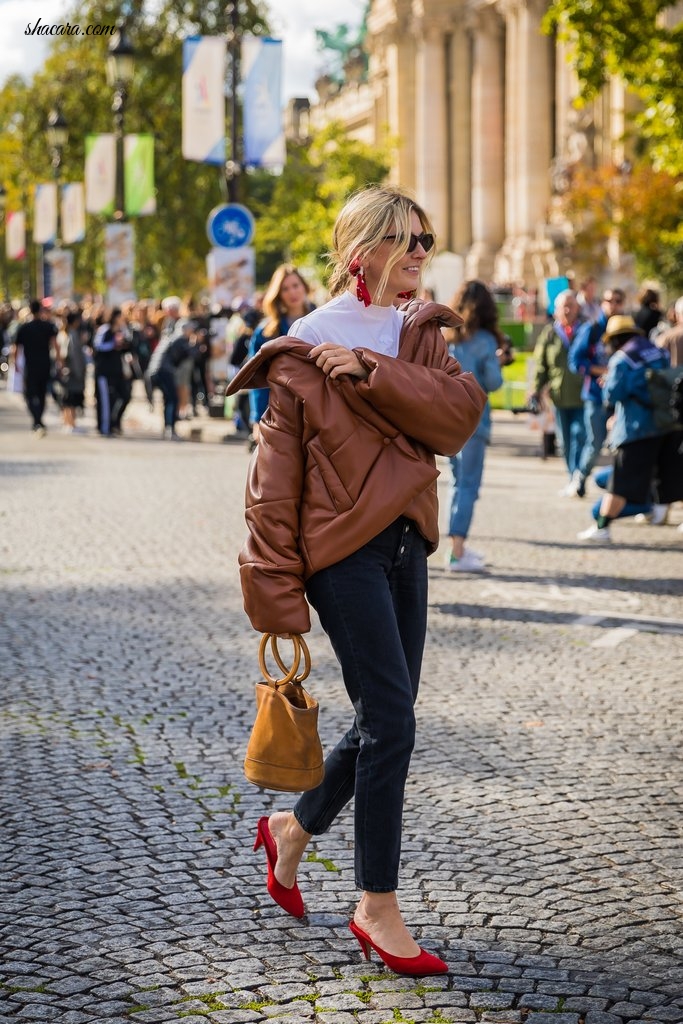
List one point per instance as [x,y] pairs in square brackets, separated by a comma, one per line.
[273,306]
[367,218]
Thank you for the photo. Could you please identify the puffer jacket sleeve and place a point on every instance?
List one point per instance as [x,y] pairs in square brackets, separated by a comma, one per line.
[271,567]
[435,403]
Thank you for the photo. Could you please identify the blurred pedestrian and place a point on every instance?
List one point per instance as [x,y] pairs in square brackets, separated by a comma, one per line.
[645,460]
[285,300]
[72,375]
[169,354]
[587,298]
[551,357]
[480,347]
[671,340]
[112,390]
[37,340]
[588,357]
[649,312]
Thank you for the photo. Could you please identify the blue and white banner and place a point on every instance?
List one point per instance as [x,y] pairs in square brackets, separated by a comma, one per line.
[264,137]
[204,99]
[73,212]
[45,213]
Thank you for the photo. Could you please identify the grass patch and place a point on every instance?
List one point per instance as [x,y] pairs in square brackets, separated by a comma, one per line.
[328,864]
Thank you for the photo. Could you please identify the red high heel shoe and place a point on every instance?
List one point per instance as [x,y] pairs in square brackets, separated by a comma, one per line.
[423,963]
[289,899]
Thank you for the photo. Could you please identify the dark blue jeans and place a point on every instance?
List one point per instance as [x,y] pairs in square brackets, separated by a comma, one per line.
[373,607]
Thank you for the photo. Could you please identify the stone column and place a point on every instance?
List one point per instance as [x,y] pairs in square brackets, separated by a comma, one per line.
[400,65]
[488,225]
[528,137]
[431,131]
[460,107]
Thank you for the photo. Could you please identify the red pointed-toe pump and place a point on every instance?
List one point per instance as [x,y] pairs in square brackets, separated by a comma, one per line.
[289,899]
[423,963]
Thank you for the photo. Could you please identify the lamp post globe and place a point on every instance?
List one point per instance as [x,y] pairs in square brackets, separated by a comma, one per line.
[120,60]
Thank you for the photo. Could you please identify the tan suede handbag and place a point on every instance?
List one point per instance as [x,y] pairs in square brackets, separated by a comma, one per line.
[284,752]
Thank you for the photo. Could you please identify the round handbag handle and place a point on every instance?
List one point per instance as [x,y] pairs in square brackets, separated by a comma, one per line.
[303,650]
[290,674]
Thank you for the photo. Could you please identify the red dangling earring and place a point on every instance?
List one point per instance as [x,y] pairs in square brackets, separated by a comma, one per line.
[362,293]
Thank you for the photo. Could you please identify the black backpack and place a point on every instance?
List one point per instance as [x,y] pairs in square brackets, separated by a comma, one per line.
[665,391]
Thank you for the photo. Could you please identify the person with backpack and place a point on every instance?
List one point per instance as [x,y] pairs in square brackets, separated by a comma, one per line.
[647,459]
[588,358]
[172,350]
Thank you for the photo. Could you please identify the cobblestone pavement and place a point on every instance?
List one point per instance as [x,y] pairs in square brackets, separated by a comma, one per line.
[542,855]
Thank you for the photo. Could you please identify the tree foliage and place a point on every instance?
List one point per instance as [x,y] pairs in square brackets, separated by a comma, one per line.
[295,215]
[645,207]
[629,39]
[294,211]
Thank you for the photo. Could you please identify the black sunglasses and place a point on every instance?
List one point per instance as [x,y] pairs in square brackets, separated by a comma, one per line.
[425,240]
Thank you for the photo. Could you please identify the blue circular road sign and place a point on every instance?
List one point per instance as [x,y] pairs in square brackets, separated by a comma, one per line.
[230,226]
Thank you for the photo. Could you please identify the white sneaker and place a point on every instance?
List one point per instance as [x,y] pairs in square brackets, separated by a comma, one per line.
[659,514]
[595,534]
[467,563]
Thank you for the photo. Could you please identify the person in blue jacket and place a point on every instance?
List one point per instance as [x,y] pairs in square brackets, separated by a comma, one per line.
[285,301]
[588,357]
[645,460]
[480,348]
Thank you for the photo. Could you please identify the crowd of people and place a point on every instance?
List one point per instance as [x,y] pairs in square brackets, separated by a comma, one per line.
[590,361]
[84,353]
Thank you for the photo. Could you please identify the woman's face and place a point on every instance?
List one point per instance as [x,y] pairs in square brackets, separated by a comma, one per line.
[292,293]
[404,275]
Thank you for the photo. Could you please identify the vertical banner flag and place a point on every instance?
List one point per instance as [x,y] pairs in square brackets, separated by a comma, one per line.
[73,212]
[264,138]
[15,239]
[45,213]
[203,94]
[61,263]
[138,174]
[100,173]
[119,263]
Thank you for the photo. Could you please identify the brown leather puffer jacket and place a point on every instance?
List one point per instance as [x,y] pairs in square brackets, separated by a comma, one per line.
[340,460]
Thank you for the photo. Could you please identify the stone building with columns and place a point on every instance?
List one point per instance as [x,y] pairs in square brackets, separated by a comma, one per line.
[479,102]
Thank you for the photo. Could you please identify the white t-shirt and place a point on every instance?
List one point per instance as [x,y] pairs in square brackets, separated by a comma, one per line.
[346,321]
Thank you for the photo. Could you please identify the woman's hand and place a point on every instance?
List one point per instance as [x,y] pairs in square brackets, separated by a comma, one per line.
[335,359]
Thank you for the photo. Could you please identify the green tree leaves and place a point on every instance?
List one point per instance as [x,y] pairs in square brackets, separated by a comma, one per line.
[633,40]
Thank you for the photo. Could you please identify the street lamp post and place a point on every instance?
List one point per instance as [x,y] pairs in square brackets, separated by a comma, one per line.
[3,242]
[57,133]
[120,70]
[233,167]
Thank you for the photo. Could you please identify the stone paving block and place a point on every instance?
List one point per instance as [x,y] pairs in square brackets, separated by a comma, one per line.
[534,1001]
[399,1000]
[553,1018]
[468,984]
[491,1001]
[664,1014]
[602,1017]
[501,1017]
[444,999]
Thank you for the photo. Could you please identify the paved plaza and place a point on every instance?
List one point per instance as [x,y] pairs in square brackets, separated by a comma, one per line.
[542,851]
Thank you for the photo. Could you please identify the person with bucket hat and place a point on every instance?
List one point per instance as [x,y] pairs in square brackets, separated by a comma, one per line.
[646,461]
